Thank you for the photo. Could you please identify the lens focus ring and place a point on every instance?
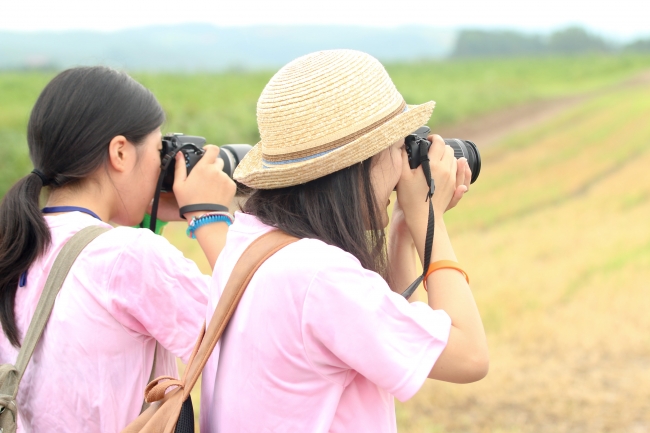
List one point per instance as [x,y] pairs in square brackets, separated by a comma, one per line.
[467,150]
[460,150]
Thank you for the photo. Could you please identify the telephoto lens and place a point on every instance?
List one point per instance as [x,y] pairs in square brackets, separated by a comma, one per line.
[232,154]
[462,149]
[192,148]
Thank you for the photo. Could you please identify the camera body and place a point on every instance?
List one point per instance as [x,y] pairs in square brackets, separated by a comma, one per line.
[462,148]
[192,149]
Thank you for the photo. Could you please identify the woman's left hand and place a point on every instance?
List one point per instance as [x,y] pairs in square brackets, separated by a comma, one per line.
[463,178]
[167,208]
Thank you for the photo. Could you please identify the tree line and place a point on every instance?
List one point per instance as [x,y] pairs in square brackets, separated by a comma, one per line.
[571,40]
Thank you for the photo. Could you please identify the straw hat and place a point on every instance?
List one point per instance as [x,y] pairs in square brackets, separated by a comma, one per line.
[323,112]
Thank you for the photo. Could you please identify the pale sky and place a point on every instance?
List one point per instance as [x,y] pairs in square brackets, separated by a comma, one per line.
[619,19]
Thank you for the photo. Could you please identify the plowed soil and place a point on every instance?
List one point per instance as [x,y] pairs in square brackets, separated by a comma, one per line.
[491,128]
[556,239]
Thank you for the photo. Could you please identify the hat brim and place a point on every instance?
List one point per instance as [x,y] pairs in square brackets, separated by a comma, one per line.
[254,173]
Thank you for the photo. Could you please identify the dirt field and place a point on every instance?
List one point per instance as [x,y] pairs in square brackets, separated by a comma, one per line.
[556,239]
[490,129]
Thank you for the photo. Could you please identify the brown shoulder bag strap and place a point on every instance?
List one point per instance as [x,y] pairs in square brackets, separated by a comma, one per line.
[252,258]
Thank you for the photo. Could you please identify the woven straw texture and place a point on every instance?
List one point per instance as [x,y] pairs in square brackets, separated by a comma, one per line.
[323,112]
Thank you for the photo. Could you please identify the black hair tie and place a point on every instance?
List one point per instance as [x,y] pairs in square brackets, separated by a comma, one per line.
[207,207]
[44,178]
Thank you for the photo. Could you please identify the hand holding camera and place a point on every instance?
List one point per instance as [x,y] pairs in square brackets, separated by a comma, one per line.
[191,148]
[451,177]
[189,151]
[448,167]
[418,146]
[206,187]
[412,188]
[207,183]
[463,180]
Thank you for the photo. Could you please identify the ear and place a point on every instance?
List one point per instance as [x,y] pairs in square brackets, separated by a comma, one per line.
[121,154]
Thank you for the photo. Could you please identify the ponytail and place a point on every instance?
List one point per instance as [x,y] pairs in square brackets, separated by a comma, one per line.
[74,119]
[24,236]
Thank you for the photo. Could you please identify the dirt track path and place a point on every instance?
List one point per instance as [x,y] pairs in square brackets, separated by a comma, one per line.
[490,128]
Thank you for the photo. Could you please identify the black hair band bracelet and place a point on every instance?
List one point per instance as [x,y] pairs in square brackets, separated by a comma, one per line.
[208,207]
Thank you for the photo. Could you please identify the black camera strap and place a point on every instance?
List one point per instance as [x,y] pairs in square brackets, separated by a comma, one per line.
[156,197]
[428,243]
[164,166]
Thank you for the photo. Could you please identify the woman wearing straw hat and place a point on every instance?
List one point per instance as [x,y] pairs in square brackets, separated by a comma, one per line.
[319,341]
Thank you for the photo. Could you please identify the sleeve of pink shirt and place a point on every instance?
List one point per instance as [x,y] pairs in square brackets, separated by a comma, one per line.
[352,320]
[154,290]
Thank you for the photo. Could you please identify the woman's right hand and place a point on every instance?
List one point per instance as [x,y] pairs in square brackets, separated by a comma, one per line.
[207,183]
[443,165]
[412,187]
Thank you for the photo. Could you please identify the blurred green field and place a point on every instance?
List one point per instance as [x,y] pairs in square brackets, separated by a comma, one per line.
[221,107]
[554,234]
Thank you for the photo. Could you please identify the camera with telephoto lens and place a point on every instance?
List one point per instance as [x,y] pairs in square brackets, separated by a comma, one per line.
[462,148]
[192,149]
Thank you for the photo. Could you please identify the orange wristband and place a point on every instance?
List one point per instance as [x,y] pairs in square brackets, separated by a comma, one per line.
[443,264]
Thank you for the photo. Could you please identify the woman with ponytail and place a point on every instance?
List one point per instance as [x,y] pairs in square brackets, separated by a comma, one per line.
[94,139]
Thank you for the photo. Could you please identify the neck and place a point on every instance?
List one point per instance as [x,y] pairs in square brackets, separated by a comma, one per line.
[93,198]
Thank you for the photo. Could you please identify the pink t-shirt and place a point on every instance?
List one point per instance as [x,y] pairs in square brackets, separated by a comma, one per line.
[127,289]
[317,344]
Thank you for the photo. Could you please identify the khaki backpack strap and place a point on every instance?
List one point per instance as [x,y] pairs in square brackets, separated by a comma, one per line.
[55,279]
[261,249]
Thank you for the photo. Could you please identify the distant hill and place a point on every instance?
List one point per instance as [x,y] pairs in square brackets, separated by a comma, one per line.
[567,41]
[199,47]
[204,47]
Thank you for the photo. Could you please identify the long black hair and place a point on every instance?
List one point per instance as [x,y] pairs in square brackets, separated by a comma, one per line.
[73,121]
[339,209]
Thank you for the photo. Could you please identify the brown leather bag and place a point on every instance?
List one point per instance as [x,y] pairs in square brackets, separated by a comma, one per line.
[172,411]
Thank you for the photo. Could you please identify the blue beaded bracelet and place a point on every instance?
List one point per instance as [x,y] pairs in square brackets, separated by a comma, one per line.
[208,218]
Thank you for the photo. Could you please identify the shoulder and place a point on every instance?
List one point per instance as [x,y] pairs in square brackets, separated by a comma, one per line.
[135,241]
[116,244]
[315,256]
[132,250]
[329,274]
[307,255]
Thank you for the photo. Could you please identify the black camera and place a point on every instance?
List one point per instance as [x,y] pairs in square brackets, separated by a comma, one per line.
[192,149]
[462,148]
